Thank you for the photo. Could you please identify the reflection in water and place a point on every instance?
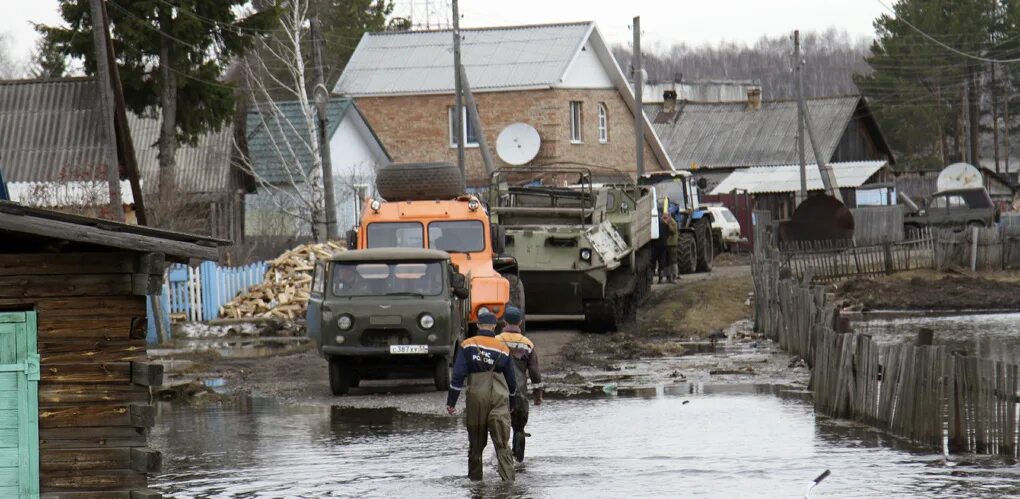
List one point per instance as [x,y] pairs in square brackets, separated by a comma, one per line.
[751,441]
[990,336]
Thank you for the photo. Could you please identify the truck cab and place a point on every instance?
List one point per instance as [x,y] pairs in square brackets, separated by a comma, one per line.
[459,227]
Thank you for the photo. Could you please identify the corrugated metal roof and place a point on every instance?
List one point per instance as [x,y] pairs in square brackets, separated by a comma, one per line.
[414,62]
[51,129]
[62,194]
[202,168]
[278,140]
[731,134]
[786,178]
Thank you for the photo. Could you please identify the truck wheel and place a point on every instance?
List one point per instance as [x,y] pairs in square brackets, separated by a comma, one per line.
[703,236]
[686,253]
[441,374]
[340,377]
[419,181]
[517,295]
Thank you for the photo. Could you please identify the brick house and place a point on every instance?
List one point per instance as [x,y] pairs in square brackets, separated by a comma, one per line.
[559,78]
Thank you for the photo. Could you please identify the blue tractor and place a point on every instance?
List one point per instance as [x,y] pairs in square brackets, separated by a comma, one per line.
[676,193]
[4,196]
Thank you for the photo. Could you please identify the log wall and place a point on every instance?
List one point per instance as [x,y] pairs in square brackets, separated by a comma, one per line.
[94,400]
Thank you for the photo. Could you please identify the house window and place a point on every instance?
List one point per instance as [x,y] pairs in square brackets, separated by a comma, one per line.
[603,124]
[467,126]
[575,122]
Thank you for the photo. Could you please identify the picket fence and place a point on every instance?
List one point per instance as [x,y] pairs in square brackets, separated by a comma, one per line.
[197,293]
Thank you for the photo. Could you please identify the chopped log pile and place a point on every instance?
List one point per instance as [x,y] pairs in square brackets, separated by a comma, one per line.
[284,292]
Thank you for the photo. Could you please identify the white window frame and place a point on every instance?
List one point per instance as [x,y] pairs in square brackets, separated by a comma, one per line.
[463,125]
[603,123]
[576,122]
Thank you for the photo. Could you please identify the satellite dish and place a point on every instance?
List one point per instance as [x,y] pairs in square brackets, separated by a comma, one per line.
[518,144]
[959,176]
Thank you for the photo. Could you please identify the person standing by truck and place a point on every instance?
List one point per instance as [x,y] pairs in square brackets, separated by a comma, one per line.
[525,358]
[484,367]
[672,240]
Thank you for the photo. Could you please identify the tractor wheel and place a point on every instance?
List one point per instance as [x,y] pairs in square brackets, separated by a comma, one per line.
[419,181]
[340,377]
[516,294]
[686,253]
[703,237]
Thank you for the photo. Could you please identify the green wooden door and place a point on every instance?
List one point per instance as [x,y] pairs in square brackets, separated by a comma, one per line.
[19,406]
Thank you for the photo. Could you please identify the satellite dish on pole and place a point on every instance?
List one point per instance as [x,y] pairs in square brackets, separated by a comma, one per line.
[959,176]
[518,144]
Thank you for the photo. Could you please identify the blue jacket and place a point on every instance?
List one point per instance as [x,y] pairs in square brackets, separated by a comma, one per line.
[479,354]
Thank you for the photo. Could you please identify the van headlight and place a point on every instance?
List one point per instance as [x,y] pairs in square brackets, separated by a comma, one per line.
[426,321]
[345,322]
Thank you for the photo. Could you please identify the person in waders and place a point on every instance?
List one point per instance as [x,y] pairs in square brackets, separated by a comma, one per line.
[484,369]
[525,358]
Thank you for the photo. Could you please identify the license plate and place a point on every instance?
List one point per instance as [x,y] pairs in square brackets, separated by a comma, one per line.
[409,349]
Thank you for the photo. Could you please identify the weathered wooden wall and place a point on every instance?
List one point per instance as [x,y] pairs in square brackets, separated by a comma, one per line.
[94,401]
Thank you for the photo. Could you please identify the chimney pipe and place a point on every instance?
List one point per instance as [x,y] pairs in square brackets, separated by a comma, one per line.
[754,99]
[669,101]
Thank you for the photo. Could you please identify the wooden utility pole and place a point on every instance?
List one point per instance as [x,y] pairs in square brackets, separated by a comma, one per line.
[995,118]
[126,146]
[828,177]
[103,84]
[321,96]
[798,81]
[458,113]
[639,112]
[476,122]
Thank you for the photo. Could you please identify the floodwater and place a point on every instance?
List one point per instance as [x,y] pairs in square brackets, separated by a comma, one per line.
[990,336]
[719,441]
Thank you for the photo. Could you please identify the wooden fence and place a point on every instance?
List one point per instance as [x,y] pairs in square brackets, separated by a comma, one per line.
[941,400]
[828,261]
[976,248]
[197,293]
[878,225]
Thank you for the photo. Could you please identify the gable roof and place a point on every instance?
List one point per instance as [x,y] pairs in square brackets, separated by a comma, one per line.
[416,62]
[731,135]
[202,168]
[276,134]
[786,178]
[502,58]
[50,128]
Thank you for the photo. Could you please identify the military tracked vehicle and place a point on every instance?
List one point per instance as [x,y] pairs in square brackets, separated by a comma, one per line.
[582,249]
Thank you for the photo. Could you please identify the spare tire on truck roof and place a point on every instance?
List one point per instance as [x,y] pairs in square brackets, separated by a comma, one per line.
[419,181]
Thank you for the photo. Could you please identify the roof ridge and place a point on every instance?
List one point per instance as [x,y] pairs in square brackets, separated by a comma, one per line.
[31,81]
[484,28]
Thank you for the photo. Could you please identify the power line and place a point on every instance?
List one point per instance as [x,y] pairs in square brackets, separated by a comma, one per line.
[943,45]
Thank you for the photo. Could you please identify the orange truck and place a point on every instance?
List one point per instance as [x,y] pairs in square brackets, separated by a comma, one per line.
[426,207]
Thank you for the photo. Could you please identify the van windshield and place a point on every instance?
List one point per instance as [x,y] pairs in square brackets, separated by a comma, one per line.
[464,236]
[382,279]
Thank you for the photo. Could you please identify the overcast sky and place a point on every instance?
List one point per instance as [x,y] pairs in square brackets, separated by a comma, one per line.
[664,22]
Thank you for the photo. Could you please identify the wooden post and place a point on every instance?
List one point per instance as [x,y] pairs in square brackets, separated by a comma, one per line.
[458,106]
[103,81]
[974,249]
[639,116]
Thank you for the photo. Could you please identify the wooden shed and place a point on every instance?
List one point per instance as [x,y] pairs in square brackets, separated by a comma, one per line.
[75,403]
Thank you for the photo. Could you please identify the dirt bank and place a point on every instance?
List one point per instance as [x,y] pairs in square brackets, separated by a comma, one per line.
[929,290]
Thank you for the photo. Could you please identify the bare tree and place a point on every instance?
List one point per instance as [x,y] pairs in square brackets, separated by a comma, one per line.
[10,66]
[296,190]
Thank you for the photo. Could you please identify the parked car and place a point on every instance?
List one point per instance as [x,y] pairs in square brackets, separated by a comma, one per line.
[954,208]
[377,313]
[727,225]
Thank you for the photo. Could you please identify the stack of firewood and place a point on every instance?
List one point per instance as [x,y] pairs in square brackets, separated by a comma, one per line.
[284,292]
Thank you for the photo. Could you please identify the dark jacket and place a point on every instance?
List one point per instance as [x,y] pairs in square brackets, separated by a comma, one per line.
[524,352]
[479,354]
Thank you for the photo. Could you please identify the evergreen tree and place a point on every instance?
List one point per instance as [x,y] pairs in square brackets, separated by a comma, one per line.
[47,60]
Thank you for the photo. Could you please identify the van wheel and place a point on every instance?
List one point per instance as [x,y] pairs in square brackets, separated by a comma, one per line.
[441,374]
[341,378]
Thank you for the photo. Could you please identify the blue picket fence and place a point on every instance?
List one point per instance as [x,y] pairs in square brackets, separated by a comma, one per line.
[199,292]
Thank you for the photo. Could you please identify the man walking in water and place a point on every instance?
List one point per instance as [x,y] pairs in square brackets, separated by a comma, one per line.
[485,369]
[525,357]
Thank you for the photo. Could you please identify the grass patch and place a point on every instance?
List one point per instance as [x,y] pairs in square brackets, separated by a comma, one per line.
[699,308]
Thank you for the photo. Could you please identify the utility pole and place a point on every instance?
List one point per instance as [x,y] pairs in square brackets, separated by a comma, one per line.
[321,96]
[639,112]
[476,121]
[798,81]
[458,113]
[103,82]
[828,177]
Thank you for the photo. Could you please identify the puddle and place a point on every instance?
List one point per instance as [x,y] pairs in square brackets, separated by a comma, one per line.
[678,440]
[992,336]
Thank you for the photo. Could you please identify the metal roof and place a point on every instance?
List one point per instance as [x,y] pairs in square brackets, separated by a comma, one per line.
[415,62]
[51,129]
[786,178]
[277,135]
[733,135]
[202,168]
